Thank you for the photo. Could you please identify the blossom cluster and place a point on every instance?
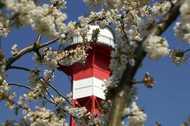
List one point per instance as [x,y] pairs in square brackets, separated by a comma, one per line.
[46,19]
[58,100]
[118,63]
[4,88]
[161,8]
[131,21]
[39,86]
[156,47]
[43,117]
[4,26]
[136,116]
[182,27]
[118,3]
[71,56]
[14,49]
[22,101]
[2,64]
[77,112]
[5,93]
[68,57]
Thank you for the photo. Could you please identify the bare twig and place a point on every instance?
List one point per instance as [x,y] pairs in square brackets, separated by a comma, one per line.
[38,39]
[48,93]
[48,43]
[20,68]
[28,49]
[59,93]
[54,88]
[29,88]
[19,85]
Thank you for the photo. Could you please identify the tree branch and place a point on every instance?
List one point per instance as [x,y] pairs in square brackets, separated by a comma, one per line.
[122,93]
[20,68]
[29,88]
[19,85]
[38,39]
[54,88]
[59,93]
[51,97]
[49,43]
[26,50]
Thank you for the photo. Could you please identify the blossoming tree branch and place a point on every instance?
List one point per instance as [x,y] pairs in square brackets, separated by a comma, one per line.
[137,26]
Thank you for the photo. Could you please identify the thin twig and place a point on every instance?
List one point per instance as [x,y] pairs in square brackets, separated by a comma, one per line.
[138,82]
[29,88]
[38,39]
[187,50]
[48,43]
[26,50]
[19,85]
[59,93]
[22,52]
[20,68]
[48,93]
[54,88]
[50,101]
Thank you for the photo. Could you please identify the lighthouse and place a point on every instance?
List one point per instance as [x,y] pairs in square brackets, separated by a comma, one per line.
[88,78]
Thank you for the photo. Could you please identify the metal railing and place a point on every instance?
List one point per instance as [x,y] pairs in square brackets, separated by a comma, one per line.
[100,39]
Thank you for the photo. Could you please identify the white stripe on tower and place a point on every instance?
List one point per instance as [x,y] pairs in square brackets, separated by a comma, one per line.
[91,86]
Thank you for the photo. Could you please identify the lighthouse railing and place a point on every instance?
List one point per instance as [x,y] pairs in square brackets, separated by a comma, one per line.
[100,39]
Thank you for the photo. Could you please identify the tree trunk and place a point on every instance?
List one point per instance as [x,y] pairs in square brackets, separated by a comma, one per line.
[122,93]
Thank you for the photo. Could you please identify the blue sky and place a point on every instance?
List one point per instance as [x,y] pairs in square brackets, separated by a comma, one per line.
[168,102]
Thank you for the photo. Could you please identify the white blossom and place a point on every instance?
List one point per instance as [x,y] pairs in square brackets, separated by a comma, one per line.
[43,117]
[5,93]
[50,58]
[72,56]
[118,65]
[130,19]
[184,9]
[156,47]
[14,49]
[38,86]
[3,30]
[92,1]
[2,64]
[161,8]
[182,28]
[23,7]
[58,100]
[136,116]
[59,3]
[23,101]
[48,75]
[44,19]
[4,87]
[77,111]
[4,26]
[68,57]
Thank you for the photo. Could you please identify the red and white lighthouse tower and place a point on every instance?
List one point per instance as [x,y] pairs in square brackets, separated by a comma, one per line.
[88,78]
